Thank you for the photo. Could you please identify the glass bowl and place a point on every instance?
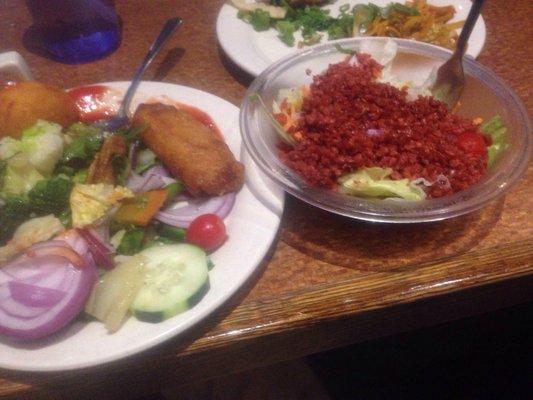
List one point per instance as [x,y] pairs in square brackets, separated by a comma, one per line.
[485,95]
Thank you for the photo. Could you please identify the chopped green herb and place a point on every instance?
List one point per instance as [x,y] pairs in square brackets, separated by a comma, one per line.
[286,31]
[260,20]
[311,20]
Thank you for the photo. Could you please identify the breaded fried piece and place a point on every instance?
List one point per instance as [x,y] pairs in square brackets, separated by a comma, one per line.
[189,150]
[22,104]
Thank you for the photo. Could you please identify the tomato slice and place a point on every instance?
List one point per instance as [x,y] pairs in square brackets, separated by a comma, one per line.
[206,231]
[472,142]
[91,103]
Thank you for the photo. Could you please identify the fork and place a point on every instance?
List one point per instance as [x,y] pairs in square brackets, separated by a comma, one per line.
[121,118]
[450,80]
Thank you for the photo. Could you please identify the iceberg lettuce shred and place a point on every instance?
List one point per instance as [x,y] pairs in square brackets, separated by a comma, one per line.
[497,132]
[375,182]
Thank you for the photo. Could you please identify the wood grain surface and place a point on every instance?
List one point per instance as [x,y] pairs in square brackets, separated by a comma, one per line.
[327,281]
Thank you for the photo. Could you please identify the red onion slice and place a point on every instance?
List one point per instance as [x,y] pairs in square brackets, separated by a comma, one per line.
[156,177]
[46,291]
[35,296]
[61,251]
[182,216]
[15,309]
[27,270]
[101,251]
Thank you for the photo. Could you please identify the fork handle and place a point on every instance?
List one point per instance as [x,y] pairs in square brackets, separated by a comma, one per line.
[468,26]
[165,33]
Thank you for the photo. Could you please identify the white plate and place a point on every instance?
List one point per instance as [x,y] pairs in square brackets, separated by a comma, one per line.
[251,226]
[254,51]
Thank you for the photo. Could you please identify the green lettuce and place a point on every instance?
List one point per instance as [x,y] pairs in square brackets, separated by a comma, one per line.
[19,176]
[497,132]
[82,144]
[375,182]
[42,145]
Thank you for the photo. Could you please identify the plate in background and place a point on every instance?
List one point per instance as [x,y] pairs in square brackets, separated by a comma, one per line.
[254,51]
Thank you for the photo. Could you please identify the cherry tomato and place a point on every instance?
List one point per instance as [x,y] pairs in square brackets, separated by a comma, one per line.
[472,142]
[206,231]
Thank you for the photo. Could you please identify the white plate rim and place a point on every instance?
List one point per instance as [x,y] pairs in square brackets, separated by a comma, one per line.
[244,55]
[276,198]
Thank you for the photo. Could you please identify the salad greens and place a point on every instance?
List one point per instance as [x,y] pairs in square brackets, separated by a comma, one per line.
[83,143]
[19,176]
[134,239]
[41,145]
[311,21]
[497,132]
[375,182]
[50,196]
[14,211]
[131,242]
[145,159]
[31,158]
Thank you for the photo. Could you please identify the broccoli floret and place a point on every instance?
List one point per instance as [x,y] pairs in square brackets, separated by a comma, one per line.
[50,196]
[14,211]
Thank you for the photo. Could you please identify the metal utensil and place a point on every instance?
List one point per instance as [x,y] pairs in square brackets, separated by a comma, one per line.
[121,118]
[450,76]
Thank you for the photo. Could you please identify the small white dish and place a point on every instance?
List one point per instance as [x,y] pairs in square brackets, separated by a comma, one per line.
[255,51]
[251,226]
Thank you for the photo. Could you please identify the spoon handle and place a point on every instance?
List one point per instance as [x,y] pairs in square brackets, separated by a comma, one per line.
[165,33]
[468,26]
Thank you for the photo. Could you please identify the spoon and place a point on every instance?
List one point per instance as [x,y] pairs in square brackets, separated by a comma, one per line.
[121,118]
[450,76]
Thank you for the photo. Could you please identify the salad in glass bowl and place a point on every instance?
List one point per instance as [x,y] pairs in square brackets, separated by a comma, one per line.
[351,127]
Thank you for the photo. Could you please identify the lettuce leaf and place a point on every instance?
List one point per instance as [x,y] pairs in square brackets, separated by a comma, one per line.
[375,182]
[497,132]
[42,145]
[19,176]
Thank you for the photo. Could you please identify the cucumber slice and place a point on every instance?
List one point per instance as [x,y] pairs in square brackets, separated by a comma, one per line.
[175,279]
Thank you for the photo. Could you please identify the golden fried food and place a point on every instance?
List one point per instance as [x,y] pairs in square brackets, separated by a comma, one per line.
[101,169]
[203,162]
[22,104]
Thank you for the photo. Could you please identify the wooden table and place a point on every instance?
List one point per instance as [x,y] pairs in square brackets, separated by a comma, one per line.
[328,281]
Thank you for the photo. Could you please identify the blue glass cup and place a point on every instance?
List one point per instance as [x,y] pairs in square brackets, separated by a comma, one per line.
[76,31]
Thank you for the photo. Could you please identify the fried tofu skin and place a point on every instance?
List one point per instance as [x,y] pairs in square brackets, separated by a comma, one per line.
[101,169]
[189,150]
